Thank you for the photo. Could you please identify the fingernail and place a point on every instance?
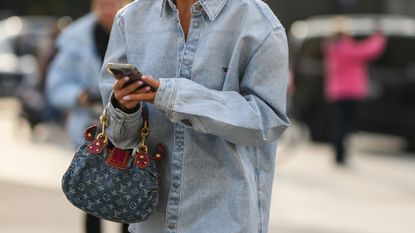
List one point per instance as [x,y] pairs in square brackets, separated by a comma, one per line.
[144,77]
[126,97]
[126,78]
[140,83]
[148,88]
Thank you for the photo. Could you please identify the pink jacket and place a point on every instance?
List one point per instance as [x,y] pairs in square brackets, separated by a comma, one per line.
[346,66]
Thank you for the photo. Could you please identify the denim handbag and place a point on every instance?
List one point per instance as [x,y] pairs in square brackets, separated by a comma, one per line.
[110,183]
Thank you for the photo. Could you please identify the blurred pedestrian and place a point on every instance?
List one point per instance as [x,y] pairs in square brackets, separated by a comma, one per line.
[217,103]
[346,83]
[35,108]
[72,82]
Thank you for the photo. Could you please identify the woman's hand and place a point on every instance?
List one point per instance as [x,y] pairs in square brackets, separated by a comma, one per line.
[130,96]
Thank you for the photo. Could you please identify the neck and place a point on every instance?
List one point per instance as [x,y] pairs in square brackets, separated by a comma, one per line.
[184,5]
[185,13]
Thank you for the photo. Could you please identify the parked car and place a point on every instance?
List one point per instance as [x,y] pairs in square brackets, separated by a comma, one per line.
[19,41]
[390,106]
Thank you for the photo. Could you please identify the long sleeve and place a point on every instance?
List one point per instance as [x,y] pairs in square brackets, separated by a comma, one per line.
[123,128]
[76,65]
[369,48]
[256,115]
[219,108]
[63,86]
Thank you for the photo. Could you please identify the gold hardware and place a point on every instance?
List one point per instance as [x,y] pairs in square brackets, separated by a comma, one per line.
[103,119]
[104,138]
[144,133]
[142,148]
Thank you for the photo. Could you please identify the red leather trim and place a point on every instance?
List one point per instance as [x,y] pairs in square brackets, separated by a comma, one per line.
[96,146]
[142,160]
[118,158]
[89,133]
[160,153]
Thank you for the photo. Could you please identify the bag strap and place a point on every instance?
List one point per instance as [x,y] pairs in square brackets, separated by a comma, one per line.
[144,112]
[145,130]
[103,119]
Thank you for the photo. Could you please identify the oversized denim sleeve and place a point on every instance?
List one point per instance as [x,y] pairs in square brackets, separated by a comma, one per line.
[63,86]
[123,129]
[255,115]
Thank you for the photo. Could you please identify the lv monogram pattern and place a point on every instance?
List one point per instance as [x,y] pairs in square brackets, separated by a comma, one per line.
[126,196]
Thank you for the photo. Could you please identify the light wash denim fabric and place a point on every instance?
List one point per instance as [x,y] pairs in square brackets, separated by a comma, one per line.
[219,110]
[74,69]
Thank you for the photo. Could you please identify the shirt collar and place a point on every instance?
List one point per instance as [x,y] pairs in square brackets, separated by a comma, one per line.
[211,7]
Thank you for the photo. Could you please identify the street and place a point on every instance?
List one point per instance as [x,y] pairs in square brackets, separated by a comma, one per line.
[374,193]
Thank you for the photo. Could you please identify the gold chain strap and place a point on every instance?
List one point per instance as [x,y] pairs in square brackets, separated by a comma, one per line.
[144,133]
[103,119]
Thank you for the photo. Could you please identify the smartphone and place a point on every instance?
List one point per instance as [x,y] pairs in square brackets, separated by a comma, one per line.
[120,70]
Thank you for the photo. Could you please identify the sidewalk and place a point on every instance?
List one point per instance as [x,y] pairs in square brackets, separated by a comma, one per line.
[374,194]
[31,200]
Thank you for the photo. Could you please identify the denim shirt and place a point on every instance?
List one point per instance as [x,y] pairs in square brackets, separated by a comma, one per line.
[219,110]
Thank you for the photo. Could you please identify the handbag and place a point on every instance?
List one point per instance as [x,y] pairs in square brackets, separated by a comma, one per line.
[111,183]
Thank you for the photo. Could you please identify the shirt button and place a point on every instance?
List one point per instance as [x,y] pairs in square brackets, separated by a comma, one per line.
[171,225]
[198,7]
[175,185]
[186,62]
[195,24]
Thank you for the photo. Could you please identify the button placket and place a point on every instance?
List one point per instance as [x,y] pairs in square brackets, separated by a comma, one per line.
[174,194]
[188,51]
[191,45]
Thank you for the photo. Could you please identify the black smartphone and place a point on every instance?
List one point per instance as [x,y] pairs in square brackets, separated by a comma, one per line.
[120,70]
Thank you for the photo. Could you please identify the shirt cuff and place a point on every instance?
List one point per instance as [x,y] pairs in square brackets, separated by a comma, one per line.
[123,116]
[117,105]
[166,95]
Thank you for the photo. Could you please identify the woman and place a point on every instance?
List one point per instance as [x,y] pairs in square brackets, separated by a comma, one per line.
[220,71]
[346,83]
[72,84]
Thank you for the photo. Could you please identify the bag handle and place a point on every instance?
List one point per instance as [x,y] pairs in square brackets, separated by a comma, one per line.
[144,131]
[104,120]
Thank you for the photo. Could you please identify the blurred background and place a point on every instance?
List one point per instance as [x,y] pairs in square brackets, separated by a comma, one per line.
[374,192]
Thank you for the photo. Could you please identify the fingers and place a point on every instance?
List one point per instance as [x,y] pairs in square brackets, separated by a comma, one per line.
[120,90]
[131,101]
[130,96]
[146,97]
[119,84]
[149,80]
[145,92]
